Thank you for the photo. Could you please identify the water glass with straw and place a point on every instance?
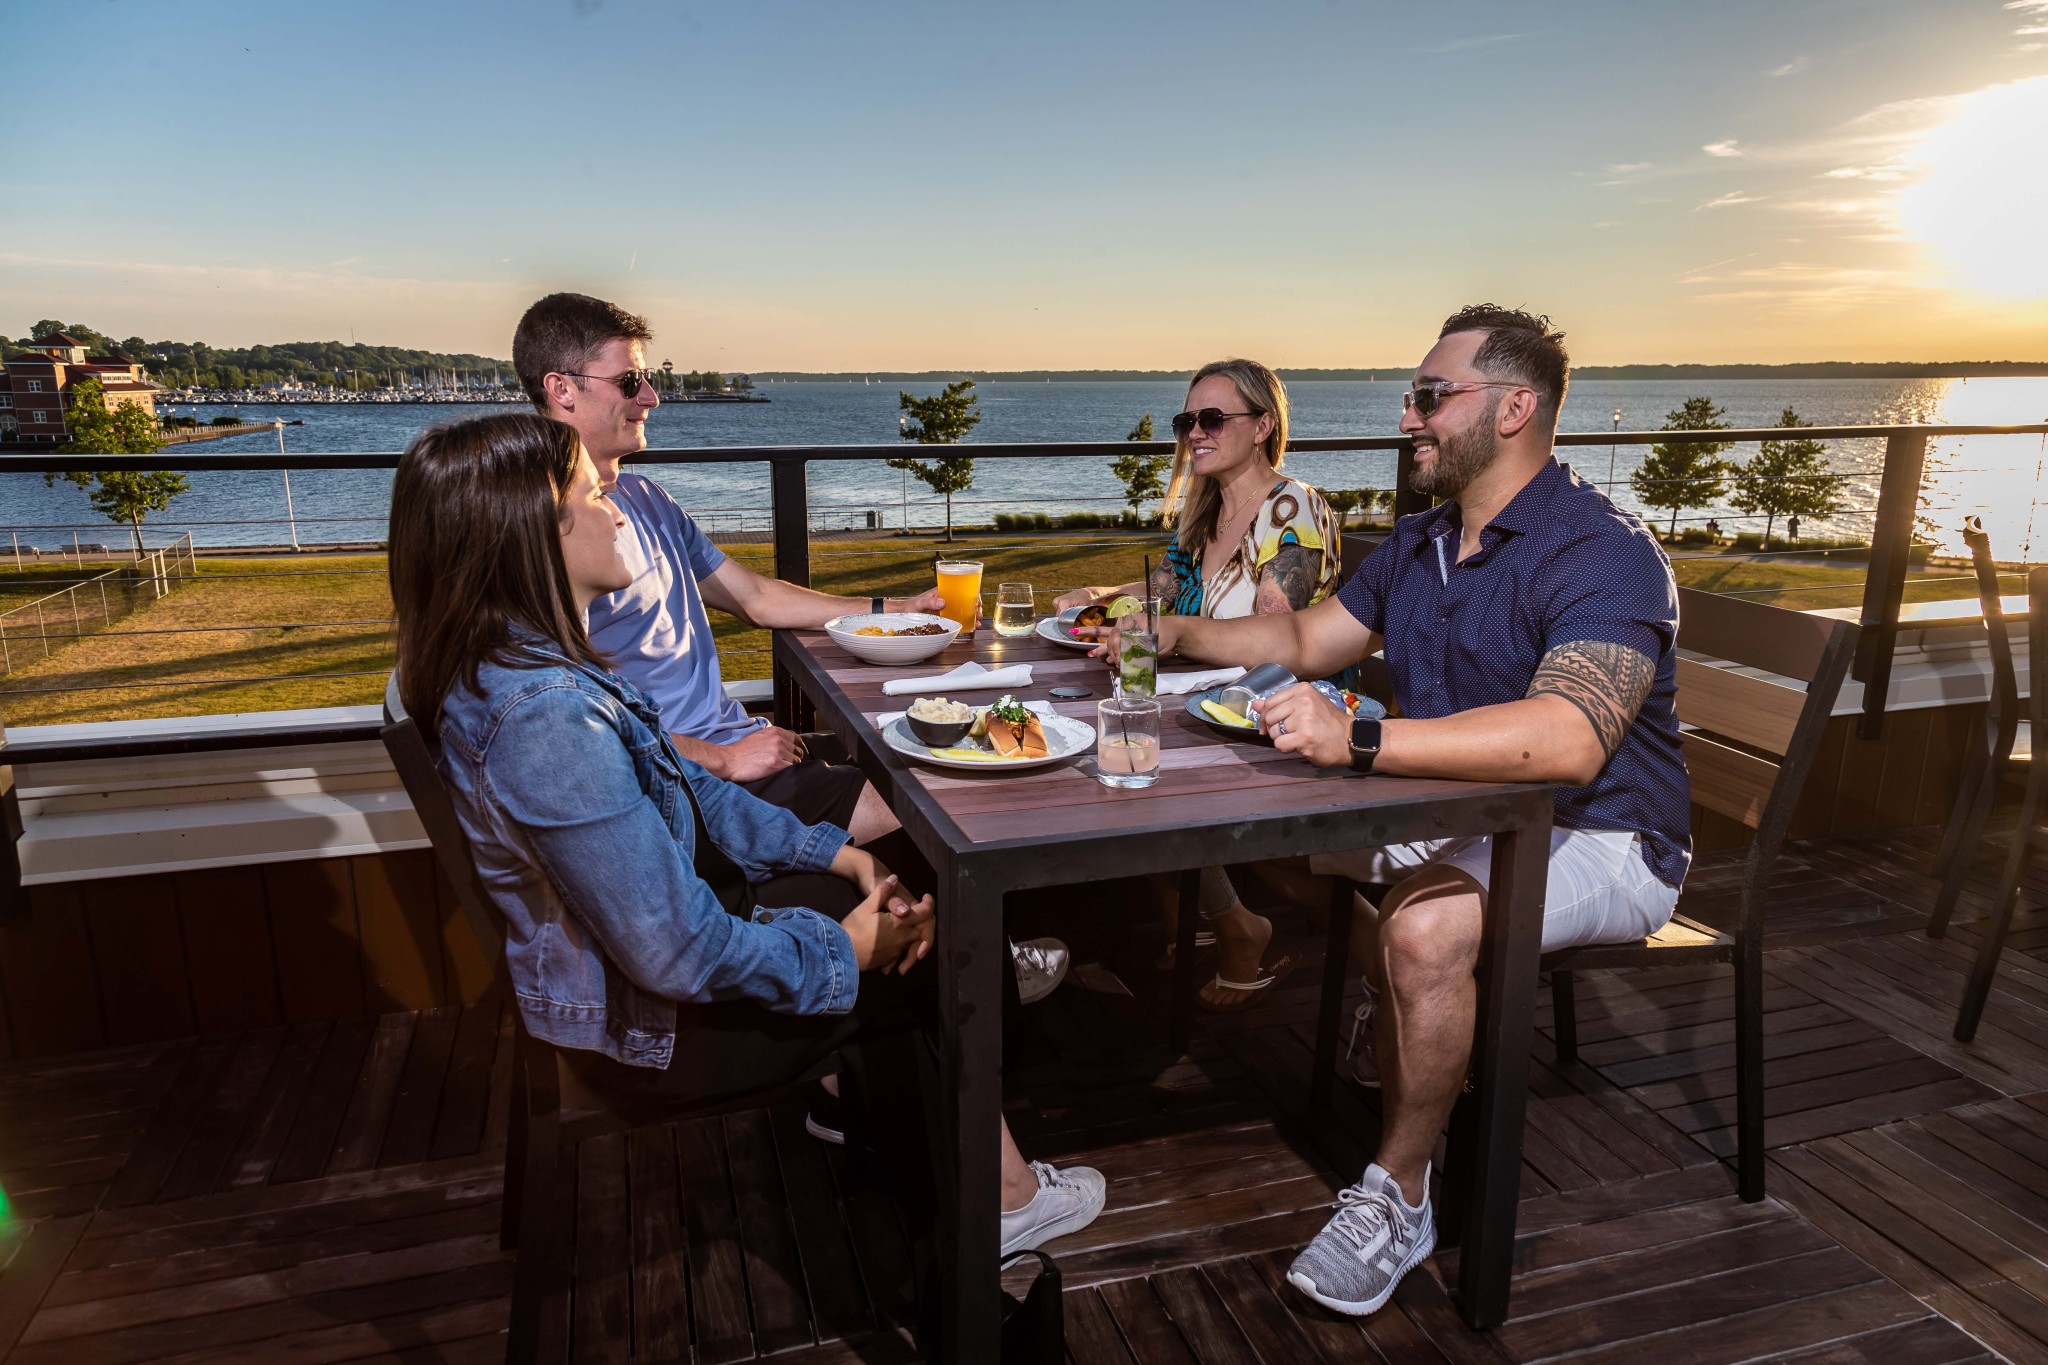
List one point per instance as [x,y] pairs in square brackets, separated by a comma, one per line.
[1138,653]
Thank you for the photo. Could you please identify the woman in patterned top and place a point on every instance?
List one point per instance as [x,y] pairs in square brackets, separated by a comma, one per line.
[1247,540]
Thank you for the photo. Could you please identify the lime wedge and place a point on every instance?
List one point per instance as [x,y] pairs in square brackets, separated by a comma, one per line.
[1125,606]
[1223,715]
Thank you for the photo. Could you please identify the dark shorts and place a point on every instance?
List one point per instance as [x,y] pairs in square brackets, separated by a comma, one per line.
[817,792]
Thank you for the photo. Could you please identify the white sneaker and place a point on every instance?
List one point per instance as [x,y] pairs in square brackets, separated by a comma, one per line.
[1067,1201]
[1041,966]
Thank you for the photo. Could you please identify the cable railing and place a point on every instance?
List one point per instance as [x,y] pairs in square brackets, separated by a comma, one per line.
[778,534]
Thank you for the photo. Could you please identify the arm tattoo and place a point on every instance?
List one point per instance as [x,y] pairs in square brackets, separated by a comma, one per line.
[1607,682]
[1165,584]
[1289,579]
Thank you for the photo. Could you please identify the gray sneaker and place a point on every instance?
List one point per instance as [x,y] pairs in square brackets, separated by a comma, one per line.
[1067,1201]
[1362,1253]
[1041,966]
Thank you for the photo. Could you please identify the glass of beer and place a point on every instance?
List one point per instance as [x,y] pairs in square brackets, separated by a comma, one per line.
[959,592]
[1016,609]
[1127,741]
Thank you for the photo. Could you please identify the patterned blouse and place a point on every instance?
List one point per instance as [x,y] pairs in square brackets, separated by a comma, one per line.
[1294,514]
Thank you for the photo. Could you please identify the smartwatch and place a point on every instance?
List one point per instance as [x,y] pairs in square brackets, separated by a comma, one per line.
[1365,743]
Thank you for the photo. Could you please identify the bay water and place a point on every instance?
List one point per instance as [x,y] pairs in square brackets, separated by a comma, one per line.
[1996,477]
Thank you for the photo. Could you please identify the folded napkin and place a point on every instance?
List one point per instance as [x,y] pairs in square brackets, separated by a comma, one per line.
[968,677]
[1180,684]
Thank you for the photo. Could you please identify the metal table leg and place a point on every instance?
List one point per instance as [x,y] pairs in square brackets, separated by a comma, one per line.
[1508,959]
[971,954]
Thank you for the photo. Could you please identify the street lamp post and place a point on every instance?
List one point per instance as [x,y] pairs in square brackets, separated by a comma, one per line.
[1611,448]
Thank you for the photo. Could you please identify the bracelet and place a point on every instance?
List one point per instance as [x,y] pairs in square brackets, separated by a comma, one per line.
[875,605]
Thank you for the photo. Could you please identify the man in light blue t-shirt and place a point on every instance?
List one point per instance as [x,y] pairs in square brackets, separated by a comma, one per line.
[582,362]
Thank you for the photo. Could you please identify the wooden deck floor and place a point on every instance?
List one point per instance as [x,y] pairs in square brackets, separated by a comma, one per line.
[330,1192]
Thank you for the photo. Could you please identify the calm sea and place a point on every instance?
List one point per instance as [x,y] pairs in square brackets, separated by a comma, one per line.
[1996,477]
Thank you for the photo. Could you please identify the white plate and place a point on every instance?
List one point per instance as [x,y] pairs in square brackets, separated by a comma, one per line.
[1049,628]
[891,649]
[1064,738]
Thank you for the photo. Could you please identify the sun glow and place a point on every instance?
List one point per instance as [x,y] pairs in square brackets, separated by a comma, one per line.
[1983,203]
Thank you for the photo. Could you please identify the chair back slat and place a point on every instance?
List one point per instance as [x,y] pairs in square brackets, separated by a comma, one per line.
[1730,781]
[1789,643]
[2005,688]
[414,760]
[1747,710]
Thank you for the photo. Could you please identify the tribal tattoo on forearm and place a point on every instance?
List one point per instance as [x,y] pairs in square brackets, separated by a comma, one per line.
[1607,682]
[1288,581]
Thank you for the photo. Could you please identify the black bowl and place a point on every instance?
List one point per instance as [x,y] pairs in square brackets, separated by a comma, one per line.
[940,734]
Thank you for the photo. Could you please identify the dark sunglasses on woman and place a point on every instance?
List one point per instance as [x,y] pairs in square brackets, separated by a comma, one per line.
[1208,419]
[629,383]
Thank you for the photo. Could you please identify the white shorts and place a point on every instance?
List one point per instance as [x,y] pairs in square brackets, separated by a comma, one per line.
[1599,889]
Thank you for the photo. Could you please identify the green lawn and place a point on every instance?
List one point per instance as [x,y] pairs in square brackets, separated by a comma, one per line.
[210,646]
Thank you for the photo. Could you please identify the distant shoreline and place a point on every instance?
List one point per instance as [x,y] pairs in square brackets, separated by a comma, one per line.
[1825,369]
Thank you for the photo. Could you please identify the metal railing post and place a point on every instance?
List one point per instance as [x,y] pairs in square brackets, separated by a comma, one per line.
[789,512]
[1406,499]
[1884,587]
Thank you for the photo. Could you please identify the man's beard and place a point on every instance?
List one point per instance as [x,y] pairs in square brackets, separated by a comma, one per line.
[1459,460]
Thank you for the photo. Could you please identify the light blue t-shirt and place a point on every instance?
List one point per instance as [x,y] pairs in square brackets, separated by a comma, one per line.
[655,631]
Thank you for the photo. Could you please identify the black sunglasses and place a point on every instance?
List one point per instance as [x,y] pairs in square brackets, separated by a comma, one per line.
[1427,398]
[629,383]
[1208,419]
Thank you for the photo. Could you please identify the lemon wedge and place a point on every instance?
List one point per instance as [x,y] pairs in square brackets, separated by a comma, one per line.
[1223,715]
[969,755]
[1124,606]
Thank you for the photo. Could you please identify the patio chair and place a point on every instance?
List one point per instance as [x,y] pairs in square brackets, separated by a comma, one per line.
[1750,743]
[552,1109]
[2004,741]
[2026,837]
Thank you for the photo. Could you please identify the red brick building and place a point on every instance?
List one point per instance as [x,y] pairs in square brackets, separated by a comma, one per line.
[35,390]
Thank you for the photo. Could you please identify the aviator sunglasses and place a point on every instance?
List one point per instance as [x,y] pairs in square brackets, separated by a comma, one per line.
[1424,399]
[1208,419]
[629,383]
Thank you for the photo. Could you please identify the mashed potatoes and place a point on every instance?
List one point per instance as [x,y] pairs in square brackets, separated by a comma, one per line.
[939,711]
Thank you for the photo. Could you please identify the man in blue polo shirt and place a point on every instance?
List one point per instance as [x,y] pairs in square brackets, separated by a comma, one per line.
[1529,626]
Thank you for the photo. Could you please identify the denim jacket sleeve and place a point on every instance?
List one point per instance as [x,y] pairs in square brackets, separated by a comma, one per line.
[761,838]
[558,769]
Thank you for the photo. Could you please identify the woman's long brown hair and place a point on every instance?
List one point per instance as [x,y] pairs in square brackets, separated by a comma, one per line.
[477,511]
[1193,503]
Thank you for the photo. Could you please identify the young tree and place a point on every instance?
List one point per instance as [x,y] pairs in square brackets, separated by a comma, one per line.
[1786,479]
[941,420]
[125,496]
[1140,473]
[1679,475]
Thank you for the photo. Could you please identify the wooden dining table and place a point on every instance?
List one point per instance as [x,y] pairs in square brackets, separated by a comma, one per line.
[1219,800]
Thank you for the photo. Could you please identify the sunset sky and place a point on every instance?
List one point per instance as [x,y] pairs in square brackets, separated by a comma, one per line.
[1108,184]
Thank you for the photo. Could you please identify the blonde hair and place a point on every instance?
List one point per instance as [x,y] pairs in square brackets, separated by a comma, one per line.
[1193,502]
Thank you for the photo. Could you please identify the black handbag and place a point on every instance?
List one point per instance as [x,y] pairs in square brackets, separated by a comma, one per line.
[1035,1327]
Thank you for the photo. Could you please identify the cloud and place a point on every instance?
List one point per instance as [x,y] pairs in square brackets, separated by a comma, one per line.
[1628,167]
[1730,200]
[1726,147]
[1467,44]
[1793,67]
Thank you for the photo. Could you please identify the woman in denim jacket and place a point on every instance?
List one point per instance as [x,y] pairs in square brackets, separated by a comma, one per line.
[679,937]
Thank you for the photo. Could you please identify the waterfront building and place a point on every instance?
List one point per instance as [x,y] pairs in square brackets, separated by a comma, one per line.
[35,390]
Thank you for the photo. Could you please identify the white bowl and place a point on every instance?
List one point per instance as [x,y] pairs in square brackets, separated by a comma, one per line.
[891,649]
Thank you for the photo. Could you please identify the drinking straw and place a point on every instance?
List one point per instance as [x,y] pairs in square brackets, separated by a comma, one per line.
[1146,589]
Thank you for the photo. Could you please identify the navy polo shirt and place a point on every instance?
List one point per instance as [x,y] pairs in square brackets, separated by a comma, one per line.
[1560,563]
